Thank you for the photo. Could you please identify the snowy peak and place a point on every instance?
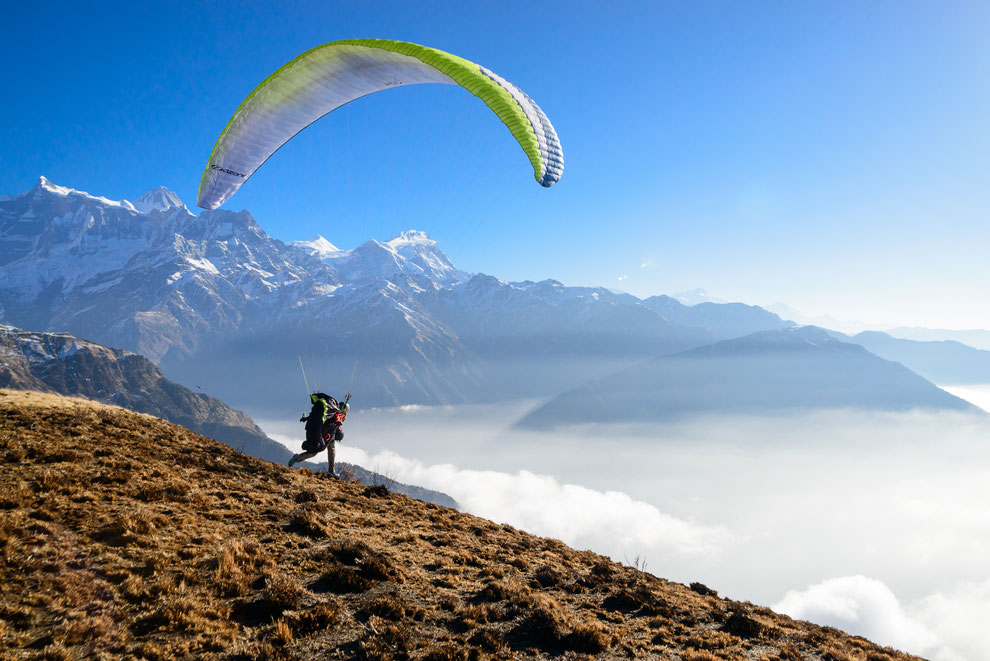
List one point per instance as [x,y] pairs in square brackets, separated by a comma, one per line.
[160,199]
[411,238]
[317,246]
[407,254]
[46,186]
[420,255]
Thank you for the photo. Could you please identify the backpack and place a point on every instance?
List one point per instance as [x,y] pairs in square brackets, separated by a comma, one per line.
[318,414]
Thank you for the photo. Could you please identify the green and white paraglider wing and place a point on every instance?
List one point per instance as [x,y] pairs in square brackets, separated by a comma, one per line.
[329,76]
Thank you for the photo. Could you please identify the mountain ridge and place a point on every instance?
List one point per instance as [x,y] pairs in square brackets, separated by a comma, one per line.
[800,368]
[184,289]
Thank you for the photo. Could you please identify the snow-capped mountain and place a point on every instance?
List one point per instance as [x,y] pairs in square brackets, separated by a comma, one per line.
[160,199]
[409,254]
[217,302]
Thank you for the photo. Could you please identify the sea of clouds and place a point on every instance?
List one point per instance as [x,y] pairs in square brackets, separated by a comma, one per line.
[878,524]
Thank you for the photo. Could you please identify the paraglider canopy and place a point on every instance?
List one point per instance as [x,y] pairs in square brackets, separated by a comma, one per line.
[326,77]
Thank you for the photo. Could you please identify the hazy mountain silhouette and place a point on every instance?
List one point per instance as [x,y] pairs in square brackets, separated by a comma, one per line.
[942,361]
[764,372]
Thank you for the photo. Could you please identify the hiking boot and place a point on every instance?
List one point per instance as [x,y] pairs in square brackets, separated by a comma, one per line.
[294,460]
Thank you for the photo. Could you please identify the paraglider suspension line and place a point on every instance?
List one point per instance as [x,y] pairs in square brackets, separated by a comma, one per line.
[303,373]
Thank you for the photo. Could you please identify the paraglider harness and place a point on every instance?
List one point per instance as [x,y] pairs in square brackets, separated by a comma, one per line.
[324,421]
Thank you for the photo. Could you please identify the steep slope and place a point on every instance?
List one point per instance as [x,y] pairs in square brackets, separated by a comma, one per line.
[798,368]
[142,539]
[65,365]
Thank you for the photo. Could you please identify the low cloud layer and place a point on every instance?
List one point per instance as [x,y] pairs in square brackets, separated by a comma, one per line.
[978,394]
[942,626]
[609,522]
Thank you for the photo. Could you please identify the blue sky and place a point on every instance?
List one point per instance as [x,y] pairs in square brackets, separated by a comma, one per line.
[830,155]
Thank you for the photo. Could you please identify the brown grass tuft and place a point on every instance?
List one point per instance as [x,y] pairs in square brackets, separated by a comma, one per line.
[741,625]
[236,565]
[389,606]
[489,641]
[282,633]
[309,519]
[496,591]
[703,590]
[377,491]
[308,621]
[343,580]
[587,638]
[57,652]
[385,641]
[371,564]
[282,592]
[541,624]
[306,496]
[445,653]
[548,577]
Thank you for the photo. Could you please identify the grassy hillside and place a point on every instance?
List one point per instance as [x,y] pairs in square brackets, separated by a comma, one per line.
[122,535]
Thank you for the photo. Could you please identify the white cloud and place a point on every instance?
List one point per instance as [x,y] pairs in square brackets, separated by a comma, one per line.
[974,394]
[960,617]
[858,605]
[609,522]
[941,627]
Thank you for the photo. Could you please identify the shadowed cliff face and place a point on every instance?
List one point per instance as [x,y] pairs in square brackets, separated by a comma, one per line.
[142,538]
[63,364]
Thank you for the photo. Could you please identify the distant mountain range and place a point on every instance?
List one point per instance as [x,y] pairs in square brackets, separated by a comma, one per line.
[65,365]
[218,303]
[977,338]
[791,369]
[945,362]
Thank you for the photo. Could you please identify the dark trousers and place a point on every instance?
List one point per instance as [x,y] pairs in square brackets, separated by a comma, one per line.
[314,439]
[331,455]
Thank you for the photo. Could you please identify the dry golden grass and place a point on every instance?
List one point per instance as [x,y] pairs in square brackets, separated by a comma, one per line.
[123,536]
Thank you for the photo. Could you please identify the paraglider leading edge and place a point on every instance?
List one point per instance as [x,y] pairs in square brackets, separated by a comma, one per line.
[326,77]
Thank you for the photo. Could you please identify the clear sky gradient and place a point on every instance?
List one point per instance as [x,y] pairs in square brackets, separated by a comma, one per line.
[833,156]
